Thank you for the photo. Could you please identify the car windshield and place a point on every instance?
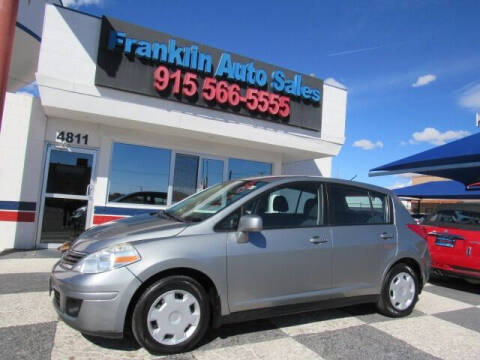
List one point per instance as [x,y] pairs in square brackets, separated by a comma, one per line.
[210,201]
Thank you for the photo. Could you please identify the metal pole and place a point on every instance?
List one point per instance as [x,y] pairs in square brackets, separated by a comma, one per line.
[8,19]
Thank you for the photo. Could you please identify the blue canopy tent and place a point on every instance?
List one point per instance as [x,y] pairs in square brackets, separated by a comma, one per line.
[438,190]
[458,160]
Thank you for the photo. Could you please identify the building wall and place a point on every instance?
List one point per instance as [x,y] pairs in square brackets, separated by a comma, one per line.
[26,45]
[315,167]
[21,156]
[421,179]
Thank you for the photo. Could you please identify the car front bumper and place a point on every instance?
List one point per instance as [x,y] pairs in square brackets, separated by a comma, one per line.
[94,304]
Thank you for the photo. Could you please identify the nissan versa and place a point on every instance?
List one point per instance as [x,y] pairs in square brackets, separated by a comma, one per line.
[245,249]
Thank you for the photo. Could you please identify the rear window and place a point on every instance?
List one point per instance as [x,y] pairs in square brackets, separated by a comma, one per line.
[465,219]
[349,205]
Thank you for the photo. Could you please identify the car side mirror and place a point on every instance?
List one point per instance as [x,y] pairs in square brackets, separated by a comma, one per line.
[248,224]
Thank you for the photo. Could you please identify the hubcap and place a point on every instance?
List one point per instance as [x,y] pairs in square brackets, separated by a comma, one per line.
[173,317]
[402,291]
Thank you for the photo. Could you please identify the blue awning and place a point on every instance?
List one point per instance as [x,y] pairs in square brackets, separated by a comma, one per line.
[458,160]
[438,190]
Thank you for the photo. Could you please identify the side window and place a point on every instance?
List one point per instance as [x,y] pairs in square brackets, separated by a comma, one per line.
[380,205]
[294,205]
[230,223]
[350,205]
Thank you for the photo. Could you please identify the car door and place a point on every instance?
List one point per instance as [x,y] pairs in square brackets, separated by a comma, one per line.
[289,261]
[364,238]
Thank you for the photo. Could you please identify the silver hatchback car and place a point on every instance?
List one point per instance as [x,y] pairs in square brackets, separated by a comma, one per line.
[245,249]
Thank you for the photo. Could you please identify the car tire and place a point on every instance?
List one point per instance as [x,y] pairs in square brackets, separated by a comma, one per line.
[172,306]
[399,292]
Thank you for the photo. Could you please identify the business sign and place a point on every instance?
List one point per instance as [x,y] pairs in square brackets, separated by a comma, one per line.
[144,61]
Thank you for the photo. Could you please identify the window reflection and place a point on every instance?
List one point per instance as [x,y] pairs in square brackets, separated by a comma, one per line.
[139,174]
[212,172]
[69,172]
[185,176]
[63,219]
[238,168]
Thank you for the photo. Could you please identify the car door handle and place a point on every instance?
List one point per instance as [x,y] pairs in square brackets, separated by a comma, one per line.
[318,240]
[386,235]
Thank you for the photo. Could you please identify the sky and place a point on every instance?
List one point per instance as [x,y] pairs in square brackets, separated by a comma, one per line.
[411,67]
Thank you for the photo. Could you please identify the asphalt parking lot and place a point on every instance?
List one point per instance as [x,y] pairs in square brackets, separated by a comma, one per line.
[445,325]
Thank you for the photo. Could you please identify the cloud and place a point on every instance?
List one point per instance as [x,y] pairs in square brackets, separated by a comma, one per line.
[435,137]
[385,84]
[366,144]
[424,80]
[333,82]
[470,98]
[78,3]
[399,185]
[400,182]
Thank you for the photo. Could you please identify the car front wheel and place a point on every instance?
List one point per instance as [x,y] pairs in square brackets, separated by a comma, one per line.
[399,292]
[171,316]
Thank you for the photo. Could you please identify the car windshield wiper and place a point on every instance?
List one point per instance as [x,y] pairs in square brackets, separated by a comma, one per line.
[194,219]
[174,217]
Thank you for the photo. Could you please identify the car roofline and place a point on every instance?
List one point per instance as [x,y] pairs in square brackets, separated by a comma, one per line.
[280,179]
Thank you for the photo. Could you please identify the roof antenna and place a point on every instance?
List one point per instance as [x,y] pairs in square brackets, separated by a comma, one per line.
[353,177]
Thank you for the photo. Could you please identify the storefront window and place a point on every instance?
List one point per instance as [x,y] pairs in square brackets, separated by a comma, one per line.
[238,168]
[139,175]
[185,176]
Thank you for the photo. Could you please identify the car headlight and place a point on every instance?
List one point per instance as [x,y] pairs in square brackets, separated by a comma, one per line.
[107,259]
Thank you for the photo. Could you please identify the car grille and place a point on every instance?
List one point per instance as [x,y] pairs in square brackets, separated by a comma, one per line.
[56,297]
[71,257]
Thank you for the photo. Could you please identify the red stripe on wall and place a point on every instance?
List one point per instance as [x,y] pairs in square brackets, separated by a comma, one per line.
[100,219]
[20,216]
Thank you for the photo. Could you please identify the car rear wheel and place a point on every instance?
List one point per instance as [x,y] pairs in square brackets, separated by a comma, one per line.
[399,292]
[171,316]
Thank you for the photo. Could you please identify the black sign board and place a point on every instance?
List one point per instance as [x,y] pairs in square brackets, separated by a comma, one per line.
[140,60]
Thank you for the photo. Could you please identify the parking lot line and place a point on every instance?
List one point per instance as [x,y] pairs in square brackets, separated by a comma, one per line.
[430,303]
[20,266]
[316,322]
[285,348]
[435,336]
[26,308]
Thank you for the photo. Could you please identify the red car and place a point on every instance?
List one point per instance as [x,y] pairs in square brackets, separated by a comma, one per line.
[453,235]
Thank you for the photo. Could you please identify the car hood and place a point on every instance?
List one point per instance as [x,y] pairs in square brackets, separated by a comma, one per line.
[135,228]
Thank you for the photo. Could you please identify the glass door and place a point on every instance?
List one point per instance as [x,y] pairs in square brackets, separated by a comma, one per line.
[185,176]
[212,172]
[67,194]
[193,173]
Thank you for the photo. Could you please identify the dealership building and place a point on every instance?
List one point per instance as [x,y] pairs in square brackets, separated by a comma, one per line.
[130,120]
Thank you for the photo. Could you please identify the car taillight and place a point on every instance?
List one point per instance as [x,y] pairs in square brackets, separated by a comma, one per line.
[418,229]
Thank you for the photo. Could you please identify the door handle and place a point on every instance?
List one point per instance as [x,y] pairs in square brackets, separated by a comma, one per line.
[318,240]
[386,235]
[89,190]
